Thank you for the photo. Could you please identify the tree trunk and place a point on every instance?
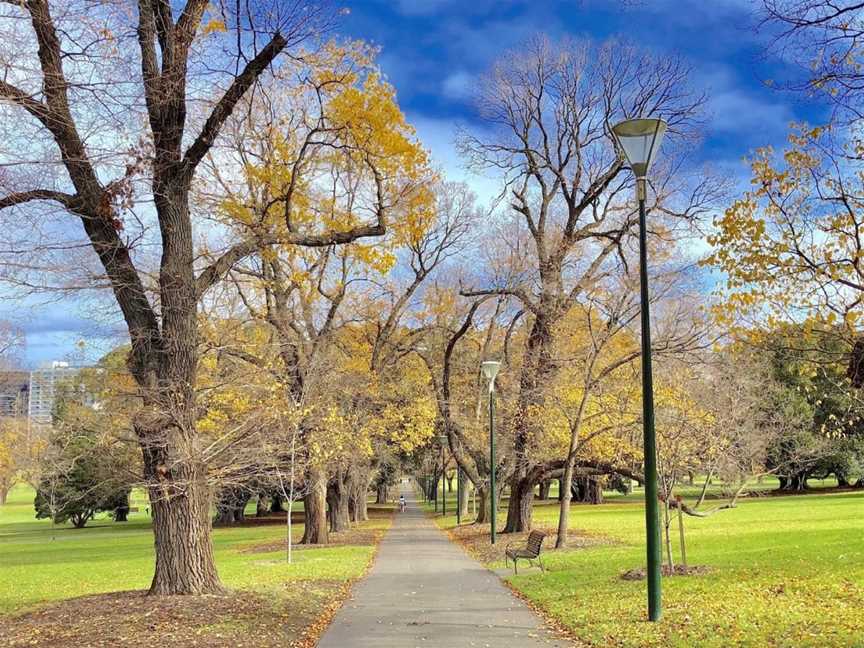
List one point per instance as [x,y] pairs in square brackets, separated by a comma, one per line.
[180,501]
[450,478]
[224,516]
[276,504]
[352,507]
[483,511]
[181,525]
[337,503]
[262,506]
[667,527]
[79,520]
[794,483]
[561,488]
[520,508]
[463,499]
[799,482]
[381,494]
[587,490]
[357,496]
[240,510]
[315,530]
[564,505]
[231,506]
[4,493]
[842,480]
[359,491]
[121,513]
[544,489]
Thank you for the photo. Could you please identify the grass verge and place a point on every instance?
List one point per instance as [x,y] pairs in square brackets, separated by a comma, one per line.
[784,571]
[63,586]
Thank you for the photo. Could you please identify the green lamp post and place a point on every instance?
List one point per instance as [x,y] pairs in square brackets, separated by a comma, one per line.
[639,140]
[490,369]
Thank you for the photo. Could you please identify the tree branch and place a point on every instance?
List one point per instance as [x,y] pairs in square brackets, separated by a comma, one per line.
[21,197]
[223,109]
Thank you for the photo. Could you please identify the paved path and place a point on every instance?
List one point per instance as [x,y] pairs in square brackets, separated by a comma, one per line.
[425,591]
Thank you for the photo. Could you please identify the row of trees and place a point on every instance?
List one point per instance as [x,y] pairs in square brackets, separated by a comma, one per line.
[328,312]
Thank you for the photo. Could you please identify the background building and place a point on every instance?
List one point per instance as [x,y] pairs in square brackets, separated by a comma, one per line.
[32,393]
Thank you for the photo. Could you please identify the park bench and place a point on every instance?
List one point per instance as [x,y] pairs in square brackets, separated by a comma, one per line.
[530,552]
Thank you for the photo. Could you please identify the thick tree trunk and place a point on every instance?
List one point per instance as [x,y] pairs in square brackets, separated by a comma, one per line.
[356,493]
[315,529]
[180,496]
[483,511]
[337,503]
[521,506]
[240,510]
[463,499]
[381,494]
[276,505]
[561,488]
[362,505]
[121,513]
[544,489]
[359,489]
[450,478]
[224,516]
[794,483]
[231,506]
[587,490]
[4,493]
[181,526]
[537,368]
[261,506]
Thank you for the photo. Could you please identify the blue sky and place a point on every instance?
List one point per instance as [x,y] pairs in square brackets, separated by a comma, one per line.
[433,51]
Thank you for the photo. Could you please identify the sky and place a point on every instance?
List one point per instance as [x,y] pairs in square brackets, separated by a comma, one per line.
[434,51]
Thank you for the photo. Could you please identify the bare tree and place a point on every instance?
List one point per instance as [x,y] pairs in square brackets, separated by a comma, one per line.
[825,39]
[548,110]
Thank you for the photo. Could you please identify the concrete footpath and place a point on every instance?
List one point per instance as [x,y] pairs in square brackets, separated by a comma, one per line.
[423,590]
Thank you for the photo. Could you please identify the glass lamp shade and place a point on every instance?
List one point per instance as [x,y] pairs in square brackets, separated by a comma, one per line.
[490,370]
[640,139]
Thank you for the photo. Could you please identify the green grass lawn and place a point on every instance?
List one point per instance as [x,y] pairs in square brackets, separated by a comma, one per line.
[786,571]
[40,563]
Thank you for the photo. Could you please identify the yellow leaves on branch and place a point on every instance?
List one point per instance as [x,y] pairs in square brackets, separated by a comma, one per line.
[213,26]
[342,155]
[793,242]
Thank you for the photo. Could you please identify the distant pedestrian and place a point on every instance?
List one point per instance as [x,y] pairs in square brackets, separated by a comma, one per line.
[401,503]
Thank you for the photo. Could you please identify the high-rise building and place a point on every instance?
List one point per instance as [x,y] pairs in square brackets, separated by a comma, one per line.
[32,394]
[14,393]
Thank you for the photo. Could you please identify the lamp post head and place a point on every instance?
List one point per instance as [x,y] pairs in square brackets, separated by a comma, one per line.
[490,370]
[639,139]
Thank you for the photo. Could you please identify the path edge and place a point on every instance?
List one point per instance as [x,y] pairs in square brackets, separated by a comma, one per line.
[314,631]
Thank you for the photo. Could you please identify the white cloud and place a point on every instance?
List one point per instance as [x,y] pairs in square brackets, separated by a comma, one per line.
[459,85]
[439,137]
[734,110]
